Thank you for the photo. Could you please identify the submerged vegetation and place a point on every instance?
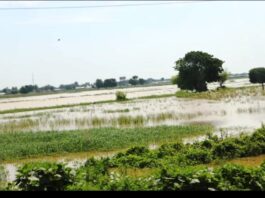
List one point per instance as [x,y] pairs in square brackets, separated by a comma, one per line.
[28,144]
[221,93]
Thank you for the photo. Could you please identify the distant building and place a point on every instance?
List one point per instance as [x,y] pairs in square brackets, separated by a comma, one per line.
[122,78]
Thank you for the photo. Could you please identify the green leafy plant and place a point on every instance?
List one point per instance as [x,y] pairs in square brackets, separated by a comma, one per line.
[44,177]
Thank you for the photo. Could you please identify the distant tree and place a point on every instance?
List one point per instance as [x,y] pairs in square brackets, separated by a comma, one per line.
[110,82]
[257,75]
[196,69]
[99,83]
[28,88]
[47,88]
[223,76]
[14,90]
[134,80]
[76,84]
[135,77]
[69,86]
[142,81]
[6,90]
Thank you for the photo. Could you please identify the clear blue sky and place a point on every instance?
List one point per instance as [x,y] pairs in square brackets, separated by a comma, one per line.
[124,41]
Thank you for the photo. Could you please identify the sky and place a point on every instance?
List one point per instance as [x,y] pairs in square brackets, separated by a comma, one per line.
[109,42]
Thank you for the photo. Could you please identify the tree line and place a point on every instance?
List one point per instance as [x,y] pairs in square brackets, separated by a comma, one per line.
[99,83]
[196,69]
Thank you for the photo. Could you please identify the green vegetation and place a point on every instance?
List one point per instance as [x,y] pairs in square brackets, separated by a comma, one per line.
[197,69]
[35,124]
[118,111]
[220,93]
[120,96]
[171,167]
[257,75]
[24,145]
[44,177]
[157,96]
[204,152]
[223,76]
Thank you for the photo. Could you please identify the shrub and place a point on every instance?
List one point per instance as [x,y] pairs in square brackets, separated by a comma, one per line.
[44,177]
[169,149]
[198,156]
[120,96]
[235,177]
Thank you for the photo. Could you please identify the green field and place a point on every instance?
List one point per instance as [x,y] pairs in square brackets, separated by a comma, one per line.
[24,145]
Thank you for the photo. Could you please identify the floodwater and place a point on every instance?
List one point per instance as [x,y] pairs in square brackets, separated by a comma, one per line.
[82,97]
[242,112]
[230,116]
[97,95]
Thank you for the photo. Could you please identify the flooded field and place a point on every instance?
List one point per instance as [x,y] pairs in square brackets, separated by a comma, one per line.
[241,112]
[229,116]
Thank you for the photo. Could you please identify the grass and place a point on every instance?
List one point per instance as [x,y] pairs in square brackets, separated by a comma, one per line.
[252,161]
[118,111]
[135,172]
[25,145]
[157,96]
[222,93]
[46,123]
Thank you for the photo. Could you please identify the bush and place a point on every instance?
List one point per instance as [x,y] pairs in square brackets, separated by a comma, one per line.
[120,96]
[199,156]
[44,177]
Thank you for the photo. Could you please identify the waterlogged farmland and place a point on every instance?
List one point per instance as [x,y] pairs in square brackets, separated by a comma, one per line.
[152,116]
[242,109]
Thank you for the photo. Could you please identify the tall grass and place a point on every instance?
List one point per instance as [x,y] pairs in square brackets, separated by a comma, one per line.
[47,123]
[222,93]
[24,145]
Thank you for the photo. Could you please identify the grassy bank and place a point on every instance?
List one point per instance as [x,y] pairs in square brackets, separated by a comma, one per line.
[24,145]
[222,93]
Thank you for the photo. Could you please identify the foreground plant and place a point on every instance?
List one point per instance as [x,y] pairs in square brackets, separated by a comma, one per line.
[44,177]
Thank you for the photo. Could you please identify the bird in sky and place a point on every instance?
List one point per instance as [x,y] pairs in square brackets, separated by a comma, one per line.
[58,39]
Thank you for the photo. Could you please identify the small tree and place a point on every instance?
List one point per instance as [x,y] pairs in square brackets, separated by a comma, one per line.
[223,76]
[120,96]
[257,75]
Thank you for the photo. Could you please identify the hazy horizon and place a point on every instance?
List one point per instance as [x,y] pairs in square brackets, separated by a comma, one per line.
[109,42]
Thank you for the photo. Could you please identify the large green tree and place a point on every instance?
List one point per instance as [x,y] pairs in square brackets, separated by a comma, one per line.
[196,69]
[257,75]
